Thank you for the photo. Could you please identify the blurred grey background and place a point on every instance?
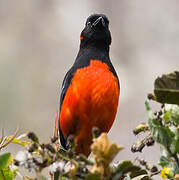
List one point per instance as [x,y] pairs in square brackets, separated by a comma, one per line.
[39,40]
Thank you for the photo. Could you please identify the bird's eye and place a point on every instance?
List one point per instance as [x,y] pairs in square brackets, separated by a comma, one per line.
[89,23]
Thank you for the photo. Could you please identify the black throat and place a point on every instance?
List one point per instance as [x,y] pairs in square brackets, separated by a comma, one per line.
[102,46]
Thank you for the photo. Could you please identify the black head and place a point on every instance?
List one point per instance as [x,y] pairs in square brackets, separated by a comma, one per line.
[96,32]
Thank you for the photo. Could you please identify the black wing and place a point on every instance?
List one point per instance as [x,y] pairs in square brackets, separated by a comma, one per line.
[65,85]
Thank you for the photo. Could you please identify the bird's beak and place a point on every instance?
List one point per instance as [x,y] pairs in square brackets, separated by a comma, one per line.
[99,20]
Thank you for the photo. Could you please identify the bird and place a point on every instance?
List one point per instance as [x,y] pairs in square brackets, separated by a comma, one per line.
[90,89]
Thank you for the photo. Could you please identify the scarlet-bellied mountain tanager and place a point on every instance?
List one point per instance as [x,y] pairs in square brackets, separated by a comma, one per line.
[90,89]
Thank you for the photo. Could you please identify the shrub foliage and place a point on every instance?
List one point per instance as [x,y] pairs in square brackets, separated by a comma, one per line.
[162,127]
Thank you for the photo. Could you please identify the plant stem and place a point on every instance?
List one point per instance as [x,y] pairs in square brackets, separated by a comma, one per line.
[174,155]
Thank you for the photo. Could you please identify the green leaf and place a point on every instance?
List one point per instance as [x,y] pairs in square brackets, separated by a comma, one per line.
[162,135]
[93,177]
[4,158]
[147,106]
[56,175]
[122,168]
[166,88]
[177,145]
[175,114]
[164,161]
[173,146]
[7,174]
[167,116]
[168,162]
[127,167]
[176,168]
[138,173]
[155,122]
[150,115]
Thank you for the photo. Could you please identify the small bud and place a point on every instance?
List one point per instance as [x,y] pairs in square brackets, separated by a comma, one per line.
[159,119]
[62,151]
[71,142]
[82,171]
[71,139]
[143,162]
[50,148]
[141,128]
[155,113]
[160,113]
[154,169]
[54,139]
[83,158]
[137,147]
[42,146]
[33,137]
[96,132]
[16,162]
[39,164]
[44,163]
[33,147]
[150,141]
[36,162]
[70,153]
[150,96]
[133,148]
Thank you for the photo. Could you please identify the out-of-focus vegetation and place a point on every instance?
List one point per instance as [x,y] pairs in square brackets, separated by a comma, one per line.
[66,165]
[162,127]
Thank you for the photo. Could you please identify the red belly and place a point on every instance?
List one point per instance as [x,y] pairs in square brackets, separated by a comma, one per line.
[91,100]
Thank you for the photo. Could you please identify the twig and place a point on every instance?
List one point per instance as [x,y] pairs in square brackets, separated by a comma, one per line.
[155,173]
[174,155]
[5,144]
[2,136]
[3,177]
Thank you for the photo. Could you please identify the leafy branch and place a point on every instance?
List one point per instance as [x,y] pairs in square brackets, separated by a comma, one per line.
[163,125]
[162,128]
[4,141]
